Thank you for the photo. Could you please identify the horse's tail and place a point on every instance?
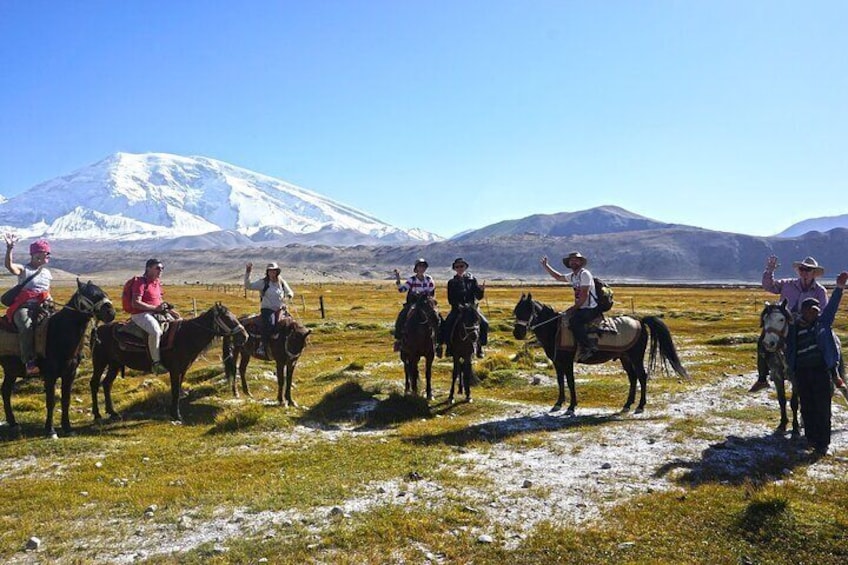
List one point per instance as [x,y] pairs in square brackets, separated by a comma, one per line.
[661,342]
[228,357]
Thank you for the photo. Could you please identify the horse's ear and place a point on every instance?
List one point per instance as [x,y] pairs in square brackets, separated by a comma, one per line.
[783,303]
[79,284]
[529,296]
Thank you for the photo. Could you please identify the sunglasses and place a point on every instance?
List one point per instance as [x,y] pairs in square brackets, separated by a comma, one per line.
[804,269]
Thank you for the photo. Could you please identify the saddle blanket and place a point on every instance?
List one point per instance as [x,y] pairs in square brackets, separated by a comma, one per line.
[9,341]
[614,334]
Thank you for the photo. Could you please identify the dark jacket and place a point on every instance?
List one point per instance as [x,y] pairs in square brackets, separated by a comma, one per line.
[823,332]
[463,290]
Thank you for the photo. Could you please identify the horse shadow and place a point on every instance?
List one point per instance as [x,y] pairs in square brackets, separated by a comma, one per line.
[496,431]
[349,404]
[155,406]
[27,431]
[756,460]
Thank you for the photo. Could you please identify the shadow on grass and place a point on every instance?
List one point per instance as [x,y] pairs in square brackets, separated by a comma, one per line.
[349,403]
[739,460]
[499,430]
[156,405]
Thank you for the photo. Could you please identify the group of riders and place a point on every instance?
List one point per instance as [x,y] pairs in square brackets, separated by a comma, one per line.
[812,352]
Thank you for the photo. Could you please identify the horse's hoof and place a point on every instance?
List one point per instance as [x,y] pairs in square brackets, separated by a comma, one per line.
[293,404]
[468,399]
[249,395]
[51,434]
[626,409]
[569,412]
[556,408]
[639,410]
[796,434]
[115,417]
[177,422]
[450,400]
[429,397]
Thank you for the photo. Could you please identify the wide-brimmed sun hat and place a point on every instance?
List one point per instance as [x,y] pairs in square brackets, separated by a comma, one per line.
[272,266]
[811,264]
[459,261]
[421,262]
[574,255]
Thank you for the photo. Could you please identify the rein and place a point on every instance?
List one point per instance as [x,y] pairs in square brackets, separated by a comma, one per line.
[219,328]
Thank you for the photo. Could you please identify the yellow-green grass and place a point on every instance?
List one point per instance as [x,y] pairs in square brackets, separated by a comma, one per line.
[255,455]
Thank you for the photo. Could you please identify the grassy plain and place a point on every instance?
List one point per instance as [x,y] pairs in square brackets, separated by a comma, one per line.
[86,496]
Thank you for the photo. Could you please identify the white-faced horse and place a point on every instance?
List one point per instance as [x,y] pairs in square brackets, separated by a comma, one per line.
[776,323]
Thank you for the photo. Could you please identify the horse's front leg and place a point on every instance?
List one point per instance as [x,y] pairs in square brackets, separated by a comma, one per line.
[50,397]
[67,384]
[467,375]
[242,369]
[176,384]
[281,376]
[290,366]
[454,374]
[9,377]
[569,377]
[428,375]
[108,381]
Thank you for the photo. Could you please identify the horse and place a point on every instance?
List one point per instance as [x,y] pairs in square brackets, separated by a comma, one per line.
[65,337]
[184,340]
[776,323]
[419,338]
[544,322]
[284,348]
[463,343]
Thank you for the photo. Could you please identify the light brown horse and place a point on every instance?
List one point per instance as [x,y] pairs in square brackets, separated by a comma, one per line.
[284,347]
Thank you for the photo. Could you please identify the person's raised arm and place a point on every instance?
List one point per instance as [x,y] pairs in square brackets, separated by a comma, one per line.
[11,266]
[551,271]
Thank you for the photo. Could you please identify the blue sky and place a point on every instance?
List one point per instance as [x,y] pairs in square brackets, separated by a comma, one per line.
[448,115]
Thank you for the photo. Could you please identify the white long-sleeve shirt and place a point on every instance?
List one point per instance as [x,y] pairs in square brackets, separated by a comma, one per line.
[275,297]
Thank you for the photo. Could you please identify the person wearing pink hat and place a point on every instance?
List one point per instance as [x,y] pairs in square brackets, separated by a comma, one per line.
[34,278]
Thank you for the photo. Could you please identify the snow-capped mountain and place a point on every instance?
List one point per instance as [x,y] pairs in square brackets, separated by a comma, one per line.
[824,224]
[156,195]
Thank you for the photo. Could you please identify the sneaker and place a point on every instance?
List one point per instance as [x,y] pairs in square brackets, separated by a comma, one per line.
[759,385]
[260,351]
[32,369]
[479,352]
[439,351]
[159,368]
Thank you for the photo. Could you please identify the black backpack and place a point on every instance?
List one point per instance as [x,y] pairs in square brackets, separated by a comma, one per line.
[603,295]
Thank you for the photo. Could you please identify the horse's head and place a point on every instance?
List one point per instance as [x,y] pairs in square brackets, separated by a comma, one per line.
[227,324]
[775,320]
[468,321]
[90,299]
[425,305]
[524,313]
[296,335]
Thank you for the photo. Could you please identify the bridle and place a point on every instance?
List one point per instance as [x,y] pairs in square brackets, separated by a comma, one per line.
[219,327]
[782,332]
[472,330]
[85,305]
[528,323]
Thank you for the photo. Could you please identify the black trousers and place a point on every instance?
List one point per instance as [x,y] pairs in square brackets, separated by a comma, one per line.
[269,323]
[814,393]
[578,323]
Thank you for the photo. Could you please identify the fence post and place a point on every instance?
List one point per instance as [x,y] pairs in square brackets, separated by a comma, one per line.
[321,304]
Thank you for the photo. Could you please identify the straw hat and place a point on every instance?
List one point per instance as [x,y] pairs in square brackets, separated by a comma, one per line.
[574,255]
[809,263]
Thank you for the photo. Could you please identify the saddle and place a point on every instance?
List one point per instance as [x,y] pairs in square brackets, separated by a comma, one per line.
[131,337]
[9,332]
[616,334]
[253,326]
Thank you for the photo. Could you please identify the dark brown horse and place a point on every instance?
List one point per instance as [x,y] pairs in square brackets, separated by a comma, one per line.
[285,347]
[419,338]
[65,336]
[463,345]
[544,322]
[182,343]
